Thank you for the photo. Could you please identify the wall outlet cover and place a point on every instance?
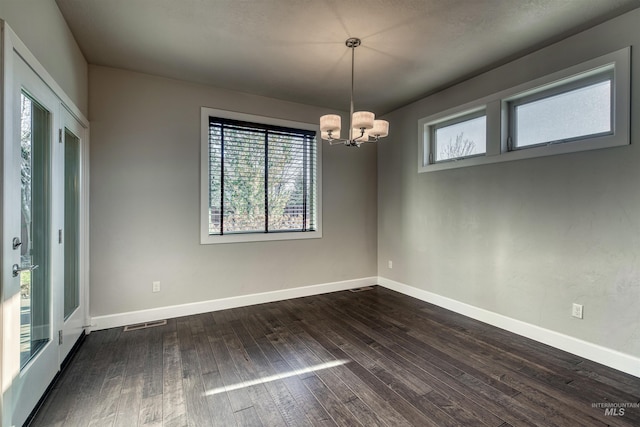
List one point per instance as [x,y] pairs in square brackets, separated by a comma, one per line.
[576,310]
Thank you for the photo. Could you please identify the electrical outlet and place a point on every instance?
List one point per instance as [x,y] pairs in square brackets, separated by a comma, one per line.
[155,287]
[576,310]
[390,264]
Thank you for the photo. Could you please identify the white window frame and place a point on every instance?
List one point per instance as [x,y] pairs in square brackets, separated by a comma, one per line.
[586,80]
[205,237]
[497,107]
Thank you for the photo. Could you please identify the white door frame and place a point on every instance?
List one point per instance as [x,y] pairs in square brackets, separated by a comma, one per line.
[9,304]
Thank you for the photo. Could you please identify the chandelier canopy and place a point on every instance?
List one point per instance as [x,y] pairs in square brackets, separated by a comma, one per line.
[362,127]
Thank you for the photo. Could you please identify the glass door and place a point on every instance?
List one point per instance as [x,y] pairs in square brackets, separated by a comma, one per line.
[73,297]
[44,229]
[30,348]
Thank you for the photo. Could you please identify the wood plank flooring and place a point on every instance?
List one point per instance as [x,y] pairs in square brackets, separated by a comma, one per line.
[372,358]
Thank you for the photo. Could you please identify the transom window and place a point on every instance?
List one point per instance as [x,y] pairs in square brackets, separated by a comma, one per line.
[583,107]
[459,138]
[261,179]
[567,113]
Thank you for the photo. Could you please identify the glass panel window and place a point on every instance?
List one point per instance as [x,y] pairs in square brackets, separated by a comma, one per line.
[71,223]
[564,114]
[460,138]
[583,107]
[261,178]
[34,252]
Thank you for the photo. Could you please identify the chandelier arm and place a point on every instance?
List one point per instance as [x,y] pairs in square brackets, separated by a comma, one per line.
[337,141]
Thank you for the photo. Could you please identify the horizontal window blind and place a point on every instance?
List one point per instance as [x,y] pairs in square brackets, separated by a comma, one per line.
[261,178]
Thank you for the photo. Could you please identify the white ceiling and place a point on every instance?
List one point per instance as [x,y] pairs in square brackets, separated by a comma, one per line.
[294,49]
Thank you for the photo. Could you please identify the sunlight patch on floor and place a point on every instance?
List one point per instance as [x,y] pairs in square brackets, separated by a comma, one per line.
[276,377]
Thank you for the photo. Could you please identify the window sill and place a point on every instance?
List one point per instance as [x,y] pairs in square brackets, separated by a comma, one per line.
[257,237]
[608,141]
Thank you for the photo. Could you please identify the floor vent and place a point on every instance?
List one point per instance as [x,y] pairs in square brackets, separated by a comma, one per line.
[366,288]
[144,325]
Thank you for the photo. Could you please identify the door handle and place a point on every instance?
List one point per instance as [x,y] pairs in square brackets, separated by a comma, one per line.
[15,244]
[17,270]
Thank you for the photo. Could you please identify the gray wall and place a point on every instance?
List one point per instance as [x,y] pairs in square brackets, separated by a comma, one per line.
[145,142]
[41,27]
[523,239]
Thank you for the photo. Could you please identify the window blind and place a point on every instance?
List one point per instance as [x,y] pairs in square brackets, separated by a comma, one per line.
[261,178]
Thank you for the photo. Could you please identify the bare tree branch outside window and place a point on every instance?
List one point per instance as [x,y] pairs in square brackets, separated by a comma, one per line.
[461,147]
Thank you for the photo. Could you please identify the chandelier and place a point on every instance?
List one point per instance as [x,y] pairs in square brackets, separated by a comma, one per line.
[362,127]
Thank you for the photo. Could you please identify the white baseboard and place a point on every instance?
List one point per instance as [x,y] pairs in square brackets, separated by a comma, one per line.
[606,356]
[149,315]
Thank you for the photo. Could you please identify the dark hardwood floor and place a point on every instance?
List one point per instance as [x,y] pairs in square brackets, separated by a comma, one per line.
[369,358]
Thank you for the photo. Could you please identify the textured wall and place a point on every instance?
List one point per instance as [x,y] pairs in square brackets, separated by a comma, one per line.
[41,27]
[527,238]
[145,154]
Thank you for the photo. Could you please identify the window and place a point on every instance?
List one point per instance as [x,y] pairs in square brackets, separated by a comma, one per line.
[584,107]
[573,111]
[260,179]
[459,138]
